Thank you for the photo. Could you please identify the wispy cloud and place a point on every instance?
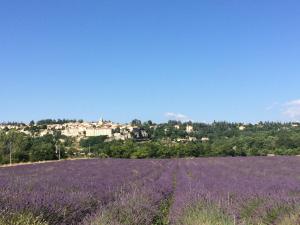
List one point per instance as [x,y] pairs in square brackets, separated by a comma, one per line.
[291,109]
[272,106]
[176,116]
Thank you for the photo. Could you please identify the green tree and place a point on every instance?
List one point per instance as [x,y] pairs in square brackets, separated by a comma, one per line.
[136,122]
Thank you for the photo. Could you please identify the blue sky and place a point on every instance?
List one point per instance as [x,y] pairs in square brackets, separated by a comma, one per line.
[201,60]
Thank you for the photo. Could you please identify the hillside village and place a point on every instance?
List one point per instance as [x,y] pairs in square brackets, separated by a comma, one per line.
[77,129]
[83,129]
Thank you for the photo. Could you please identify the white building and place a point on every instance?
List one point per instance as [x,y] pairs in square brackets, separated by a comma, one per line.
[189,129]
[204,139]
[45,132]
[192,139]
[241,128]
[71,132]
[92,132]
[177,127]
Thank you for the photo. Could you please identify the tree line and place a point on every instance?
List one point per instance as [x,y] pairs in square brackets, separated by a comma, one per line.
[222,139]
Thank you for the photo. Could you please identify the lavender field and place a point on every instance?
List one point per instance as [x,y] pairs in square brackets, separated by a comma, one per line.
[208,191]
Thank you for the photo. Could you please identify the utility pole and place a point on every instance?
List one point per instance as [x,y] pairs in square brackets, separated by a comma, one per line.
[89,150]
[57,150]
[57,147]
[10,152]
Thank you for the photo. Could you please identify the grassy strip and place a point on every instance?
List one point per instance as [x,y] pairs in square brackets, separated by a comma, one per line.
[163,217]
[256,212]
[290,220]
[21,219]
[40,162]
[201,214]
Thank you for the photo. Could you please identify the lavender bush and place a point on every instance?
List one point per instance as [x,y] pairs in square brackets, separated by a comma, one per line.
[225,191]
[256,190]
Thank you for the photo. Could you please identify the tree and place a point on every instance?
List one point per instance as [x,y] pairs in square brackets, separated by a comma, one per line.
[149,122]
[42,151]
[136,122]
[92,141]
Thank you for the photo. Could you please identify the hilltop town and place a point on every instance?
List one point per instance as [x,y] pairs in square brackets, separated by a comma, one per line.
[73,128]
[80,129]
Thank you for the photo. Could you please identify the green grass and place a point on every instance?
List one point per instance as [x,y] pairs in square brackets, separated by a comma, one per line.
[249,211]
[274,214]
[201,214]
[21,219]
[250,208]
[293,219]
[163,217]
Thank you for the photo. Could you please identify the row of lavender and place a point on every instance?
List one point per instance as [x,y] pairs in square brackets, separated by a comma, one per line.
[258,190]
[223,191]
[76,192]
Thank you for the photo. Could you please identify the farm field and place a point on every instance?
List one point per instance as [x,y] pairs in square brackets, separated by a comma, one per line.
[208,191]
